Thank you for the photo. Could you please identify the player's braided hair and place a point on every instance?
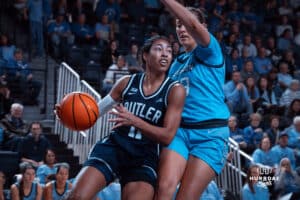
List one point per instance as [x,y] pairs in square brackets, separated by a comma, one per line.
[199,13]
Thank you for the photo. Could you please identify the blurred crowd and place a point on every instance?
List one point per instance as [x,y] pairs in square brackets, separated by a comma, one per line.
[260,40]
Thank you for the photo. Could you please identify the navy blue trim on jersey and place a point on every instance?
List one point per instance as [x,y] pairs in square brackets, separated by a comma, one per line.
[213,123]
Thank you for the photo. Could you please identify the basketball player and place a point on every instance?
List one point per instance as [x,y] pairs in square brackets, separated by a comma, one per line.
[149,113]
[199,148]
[56,189]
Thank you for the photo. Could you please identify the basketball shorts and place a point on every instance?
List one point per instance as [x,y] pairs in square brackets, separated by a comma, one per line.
[209,145]
[116,163]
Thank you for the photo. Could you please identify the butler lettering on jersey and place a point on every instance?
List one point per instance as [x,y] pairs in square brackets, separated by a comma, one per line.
[141,110]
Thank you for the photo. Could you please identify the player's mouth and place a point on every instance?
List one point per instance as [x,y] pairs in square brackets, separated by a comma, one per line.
[164,62]
[183,37]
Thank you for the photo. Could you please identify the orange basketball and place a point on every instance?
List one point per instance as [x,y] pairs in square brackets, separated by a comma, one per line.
[78,111]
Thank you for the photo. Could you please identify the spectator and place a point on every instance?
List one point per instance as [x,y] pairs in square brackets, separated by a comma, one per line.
[6,50]
[60,35]
[83,33]
[248,45]
[288,179]
[254,189]
[26,188]
[236,133]
[4,194]
[285,40]
[292,111]
[33,147]
[35,16]
[48,168]
[281,150]
[234,15]
[248,71]
[273,82]
[262,63]
[263,155]
[272,52]
[132,59]
[294,134]
[103,32]
[5,100]
[284,78]
[252,91]
[249,19]
[267,100]
[230,43]
[245,55]
[233,62]
[236,95]
[114,73]
[29,88]
[55,190]
[217,19]
[273,131]
[110,8]
[14,126]
[253,133]
[290,93]
[283,26]
[109,56]
[289,59]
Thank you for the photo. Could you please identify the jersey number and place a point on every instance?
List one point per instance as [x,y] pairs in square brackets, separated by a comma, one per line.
[134,133]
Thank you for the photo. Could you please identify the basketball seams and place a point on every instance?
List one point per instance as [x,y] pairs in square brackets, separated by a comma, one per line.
[86,108]
[73,112]
[79,111]
[92,100]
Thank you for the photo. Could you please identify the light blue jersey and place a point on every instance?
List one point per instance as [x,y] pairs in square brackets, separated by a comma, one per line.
[203,131]
[202,72]
[55,194]
[33,192]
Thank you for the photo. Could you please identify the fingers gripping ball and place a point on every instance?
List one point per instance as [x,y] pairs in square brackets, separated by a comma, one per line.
[78,111]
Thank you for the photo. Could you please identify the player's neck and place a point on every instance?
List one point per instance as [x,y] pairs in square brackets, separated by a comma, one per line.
[152,82]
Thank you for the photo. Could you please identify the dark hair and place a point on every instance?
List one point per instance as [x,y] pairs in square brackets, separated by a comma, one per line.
[199,13]
[35,122]
[58,166]
[45,155]
[149,42]
[250,183]
[23,167]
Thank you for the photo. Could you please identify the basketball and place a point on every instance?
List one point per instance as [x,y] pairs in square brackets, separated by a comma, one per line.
[78,111]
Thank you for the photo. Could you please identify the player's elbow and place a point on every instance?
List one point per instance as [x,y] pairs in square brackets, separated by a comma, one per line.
[168,137]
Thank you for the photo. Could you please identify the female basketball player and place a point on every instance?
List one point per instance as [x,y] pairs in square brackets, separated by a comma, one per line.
[26,188]
[149,113]
[55,190]
[199,148]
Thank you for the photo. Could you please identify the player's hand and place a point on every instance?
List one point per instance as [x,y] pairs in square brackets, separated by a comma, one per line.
[123,117]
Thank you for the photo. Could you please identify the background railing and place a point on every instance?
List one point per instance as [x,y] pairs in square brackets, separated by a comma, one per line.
[81,142]
[230,179]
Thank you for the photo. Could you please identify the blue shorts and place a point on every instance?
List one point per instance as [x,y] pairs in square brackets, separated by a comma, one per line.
[209,145]
[114,162]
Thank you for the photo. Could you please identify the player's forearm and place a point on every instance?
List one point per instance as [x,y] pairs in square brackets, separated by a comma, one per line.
[189,20]
[163,135]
